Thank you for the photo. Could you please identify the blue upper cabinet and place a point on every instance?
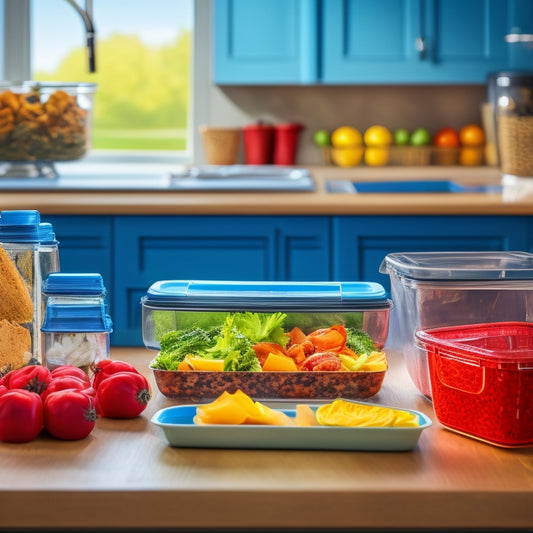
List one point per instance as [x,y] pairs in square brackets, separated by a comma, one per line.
[265,41]
[353,42]
[415,41]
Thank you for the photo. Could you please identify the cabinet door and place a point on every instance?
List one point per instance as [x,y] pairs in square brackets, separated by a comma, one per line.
[418,41]
[361,243]
[152,248]
[265,41]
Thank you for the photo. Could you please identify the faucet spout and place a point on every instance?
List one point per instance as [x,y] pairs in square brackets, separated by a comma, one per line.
[90,32]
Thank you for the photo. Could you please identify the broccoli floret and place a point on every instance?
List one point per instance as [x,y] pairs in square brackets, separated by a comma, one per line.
[175,345]
[359,341]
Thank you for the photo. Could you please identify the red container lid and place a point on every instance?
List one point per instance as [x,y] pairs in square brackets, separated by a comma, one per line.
[491,345]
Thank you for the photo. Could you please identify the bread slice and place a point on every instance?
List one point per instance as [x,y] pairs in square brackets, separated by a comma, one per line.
[15,300]
[15,346]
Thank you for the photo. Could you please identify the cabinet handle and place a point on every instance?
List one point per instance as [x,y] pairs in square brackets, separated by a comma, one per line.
[519,38]
[420,47]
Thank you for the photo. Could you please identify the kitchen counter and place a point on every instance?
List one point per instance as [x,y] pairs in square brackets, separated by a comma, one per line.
[124,475]
[318,202]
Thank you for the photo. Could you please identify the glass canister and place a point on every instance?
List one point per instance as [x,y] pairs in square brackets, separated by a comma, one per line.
[513,96]
[76,328]
[20,289]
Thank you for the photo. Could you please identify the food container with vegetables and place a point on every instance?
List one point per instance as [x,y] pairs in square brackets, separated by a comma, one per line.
[482,380]
[43,122]
[268,339]
[437,289]
[76,327]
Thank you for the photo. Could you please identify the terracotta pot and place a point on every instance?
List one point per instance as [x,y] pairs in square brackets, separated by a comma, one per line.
[221,144]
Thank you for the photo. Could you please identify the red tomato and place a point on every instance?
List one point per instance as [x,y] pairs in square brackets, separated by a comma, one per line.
[106,368]
[123,395]
[67,382]
[34,378]
[70,370]
[3,389]
[447,137]
[69,414]
[21,415]
[321,362]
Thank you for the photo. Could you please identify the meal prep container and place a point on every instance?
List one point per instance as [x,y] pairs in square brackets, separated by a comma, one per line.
[438,289]
[482,380]
[76,327]
[177,305]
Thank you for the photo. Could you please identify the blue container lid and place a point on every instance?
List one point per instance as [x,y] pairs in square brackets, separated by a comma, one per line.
[266,296]
[76,318]
[19,226]
[84,284]
[46,233]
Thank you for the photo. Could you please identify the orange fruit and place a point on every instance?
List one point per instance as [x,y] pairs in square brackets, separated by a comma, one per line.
[472,135]
[346,137]
[447,137]
[471,156]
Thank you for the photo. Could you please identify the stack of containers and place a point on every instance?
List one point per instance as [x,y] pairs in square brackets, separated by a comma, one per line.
[29,252]
[76,327]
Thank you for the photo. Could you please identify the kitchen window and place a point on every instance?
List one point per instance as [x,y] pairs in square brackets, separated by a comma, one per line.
[146,54]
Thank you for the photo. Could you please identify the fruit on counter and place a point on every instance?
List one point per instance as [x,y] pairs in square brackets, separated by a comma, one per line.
[322,138]
[239,409]
[347,157]
[258,342]
[107,367]
[472,135]
[376,156]
[402,137]
[67,405]
[123,395]
[377,136]
[446,138]
[420,137]
[346,137]
[343,413]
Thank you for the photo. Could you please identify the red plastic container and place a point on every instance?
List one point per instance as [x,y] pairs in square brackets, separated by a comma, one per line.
[286,143]
[482,380]
[258,144]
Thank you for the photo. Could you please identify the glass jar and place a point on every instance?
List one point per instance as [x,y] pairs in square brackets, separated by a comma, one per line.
[76,328]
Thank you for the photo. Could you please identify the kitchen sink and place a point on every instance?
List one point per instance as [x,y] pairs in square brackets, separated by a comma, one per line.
[207,178]
[407,187]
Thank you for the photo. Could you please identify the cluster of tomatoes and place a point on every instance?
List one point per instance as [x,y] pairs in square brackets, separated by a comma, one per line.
[65,402]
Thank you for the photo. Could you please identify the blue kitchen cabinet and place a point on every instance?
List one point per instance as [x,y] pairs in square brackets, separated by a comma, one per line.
[352,42]
[152,248]
[360,243]
[265,41]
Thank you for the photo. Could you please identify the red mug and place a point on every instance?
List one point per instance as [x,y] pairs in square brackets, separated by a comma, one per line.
[286,143]
[258,139]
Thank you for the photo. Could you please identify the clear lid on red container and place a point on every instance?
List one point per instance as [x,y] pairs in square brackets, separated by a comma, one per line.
[453,266]
[488,344]
[266,296]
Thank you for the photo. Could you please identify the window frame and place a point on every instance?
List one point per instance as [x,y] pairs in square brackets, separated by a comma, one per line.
[15,64]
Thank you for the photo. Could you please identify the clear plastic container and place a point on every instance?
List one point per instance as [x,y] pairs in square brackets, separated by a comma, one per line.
[76,328]
[437,289]
[482,380]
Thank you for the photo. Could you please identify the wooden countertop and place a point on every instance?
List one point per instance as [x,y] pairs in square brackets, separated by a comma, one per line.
[125,475]
[303,203]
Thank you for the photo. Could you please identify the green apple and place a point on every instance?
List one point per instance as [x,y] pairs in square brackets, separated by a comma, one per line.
[401,136]
[420,137]
[321,138]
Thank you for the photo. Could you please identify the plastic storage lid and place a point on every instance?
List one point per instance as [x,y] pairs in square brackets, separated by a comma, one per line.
[452,266]
[491,344]
[76,319]
[267,296]
[46,233]
[85,284]
[19,226]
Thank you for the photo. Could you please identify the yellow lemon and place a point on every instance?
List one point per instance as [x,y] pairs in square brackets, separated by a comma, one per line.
[347,157]
[345,137]
[377,136]
[376,157]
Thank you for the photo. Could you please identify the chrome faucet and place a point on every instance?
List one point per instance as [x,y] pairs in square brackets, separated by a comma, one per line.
[87,18]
